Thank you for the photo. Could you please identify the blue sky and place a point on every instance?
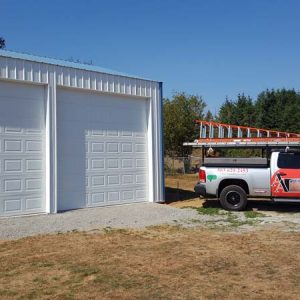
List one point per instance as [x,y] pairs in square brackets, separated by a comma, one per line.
[212,48]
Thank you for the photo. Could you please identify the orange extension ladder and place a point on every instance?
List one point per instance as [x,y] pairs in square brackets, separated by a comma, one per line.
[219,134]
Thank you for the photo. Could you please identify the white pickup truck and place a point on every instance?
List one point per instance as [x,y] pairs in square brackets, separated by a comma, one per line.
[234,180]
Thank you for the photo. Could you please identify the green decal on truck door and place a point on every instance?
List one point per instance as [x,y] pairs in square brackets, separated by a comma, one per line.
[211,177]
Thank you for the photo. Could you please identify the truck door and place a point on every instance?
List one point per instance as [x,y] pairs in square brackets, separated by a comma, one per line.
[285,177]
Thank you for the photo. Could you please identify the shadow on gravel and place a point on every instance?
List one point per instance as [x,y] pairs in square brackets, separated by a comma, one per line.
[174,194]
[262,205]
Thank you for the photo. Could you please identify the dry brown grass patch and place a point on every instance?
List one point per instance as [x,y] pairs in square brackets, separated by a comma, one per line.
[157,263]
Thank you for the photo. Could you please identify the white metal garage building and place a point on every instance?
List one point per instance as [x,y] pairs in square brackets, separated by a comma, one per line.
[75,136]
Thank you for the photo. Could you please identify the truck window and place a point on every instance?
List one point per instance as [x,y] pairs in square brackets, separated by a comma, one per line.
[289,161]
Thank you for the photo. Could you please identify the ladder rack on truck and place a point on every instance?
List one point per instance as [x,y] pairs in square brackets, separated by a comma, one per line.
[213,134]
[275,175]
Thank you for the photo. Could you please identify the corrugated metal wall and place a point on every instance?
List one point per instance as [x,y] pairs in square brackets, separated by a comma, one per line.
[17,69]
[34,71]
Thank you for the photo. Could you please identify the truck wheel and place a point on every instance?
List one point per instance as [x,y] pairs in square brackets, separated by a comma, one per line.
[234,198]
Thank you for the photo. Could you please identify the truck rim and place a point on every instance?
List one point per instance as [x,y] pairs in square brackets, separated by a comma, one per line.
[233,198]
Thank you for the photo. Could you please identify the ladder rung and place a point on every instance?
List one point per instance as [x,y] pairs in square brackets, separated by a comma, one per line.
[228,131]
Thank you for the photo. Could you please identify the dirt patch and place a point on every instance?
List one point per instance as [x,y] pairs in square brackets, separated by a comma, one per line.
[157,263]
[194,203]
[180,188]
[183,182]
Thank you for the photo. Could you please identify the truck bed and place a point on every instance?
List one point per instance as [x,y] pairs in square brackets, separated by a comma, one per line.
[254,162]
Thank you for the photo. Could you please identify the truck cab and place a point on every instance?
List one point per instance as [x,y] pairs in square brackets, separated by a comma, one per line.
[234,180]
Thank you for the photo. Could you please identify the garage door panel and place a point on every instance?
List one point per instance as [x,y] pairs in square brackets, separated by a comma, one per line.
[67,112]
[15,205]
[33,203]
[103,181]
[24,126]
[21,182]
[97,115]
[128,195]
[25,113]
[18,205]
[22,149]
[141,194]
[12,145]
[113,165]
[108,147]
[16,91]
[102,197]
[96,198]
[34,184]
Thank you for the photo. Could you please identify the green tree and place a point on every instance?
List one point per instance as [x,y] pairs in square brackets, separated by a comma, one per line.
[244,111]
[238,112]
[273,109]
[278,110]
[179,114]
[226,112]
[209,116]
[2,43]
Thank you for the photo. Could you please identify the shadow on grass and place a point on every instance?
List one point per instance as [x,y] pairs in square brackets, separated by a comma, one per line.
[174,194]
[261,205]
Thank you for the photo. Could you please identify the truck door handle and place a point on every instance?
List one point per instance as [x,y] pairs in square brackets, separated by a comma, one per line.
[282,174]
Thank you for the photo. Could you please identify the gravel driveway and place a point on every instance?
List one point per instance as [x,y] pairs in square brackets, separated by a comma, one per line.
[137,215]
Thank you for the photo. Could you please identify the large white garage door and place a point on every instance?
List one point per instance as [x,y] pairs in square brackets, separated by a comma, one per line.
[102,150]
[22,145]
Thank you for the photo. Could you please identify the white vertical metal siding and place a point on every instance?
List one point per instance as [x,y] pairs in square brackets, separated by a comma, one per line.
[16,69]
[36,70]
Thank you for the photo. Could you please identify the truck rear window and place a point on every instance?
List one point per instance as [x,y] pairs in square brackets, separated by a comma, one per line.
[289,160]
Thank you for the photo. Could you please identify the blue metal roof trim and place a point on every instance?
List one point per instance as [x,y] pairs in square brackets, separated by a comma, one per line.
[64,63]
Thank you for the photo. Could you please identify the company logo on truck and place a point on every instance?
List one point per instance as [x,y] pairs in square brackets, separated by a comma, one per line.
[286,182]
[211,177]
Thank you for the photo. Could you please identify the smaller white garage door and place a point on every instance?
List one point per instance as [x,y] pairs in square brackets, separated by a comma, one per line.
[22,144]
[102,150]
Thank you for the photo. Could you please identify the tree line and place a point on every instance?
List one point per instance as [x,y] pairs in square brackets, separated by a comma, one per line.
[272,109]
[2,43]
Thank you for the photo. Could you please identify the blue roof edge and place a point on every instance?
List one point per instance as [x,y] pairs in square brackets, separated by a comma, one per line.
[69,64]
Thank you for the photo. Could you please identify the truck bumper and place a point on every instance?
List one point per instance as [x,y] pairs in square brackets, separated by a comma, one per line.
[200,189]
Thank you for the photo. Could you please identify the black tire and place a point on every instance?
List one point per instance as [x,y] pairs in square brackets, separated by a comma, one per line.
[233,198]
